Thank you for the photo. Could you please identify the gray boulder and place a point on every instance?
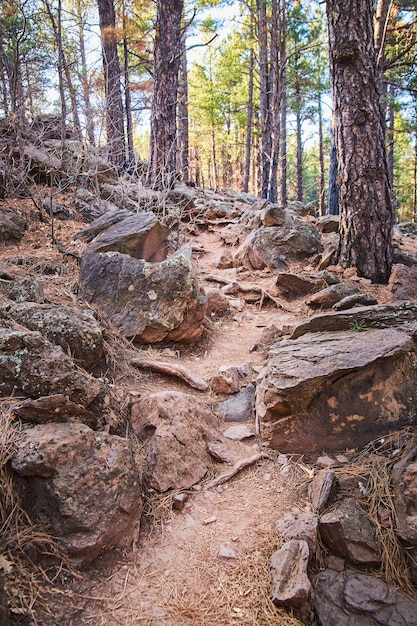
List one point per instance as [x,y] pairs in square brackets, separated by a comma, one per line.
[75,330]
[276,246]
[332,391]
[143,294]
[85,482]
[25,290]
[30,366]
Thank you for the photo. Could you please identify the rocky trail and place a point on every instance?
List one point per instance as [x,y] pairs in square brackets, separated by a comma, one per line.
[202,553]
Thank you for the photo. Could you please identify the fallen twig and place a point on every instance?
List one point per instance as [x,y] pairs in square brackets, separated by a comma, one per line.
[179,371]
[239,465]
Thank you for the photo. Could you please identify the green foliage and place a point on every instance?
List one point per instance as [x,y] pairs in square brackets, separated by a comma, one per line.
[357,326]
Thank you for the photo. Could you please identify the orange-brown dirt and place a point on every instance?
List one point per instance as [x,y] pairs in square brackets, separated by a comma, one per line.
[173,575]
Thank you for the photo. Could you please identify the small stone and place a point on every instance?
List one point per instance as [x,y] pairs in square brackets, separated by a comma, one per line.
[226,553]
[239,432]
[320,488]
[341,458]
[179,500]
[220,452]
[282,459]
[325,461]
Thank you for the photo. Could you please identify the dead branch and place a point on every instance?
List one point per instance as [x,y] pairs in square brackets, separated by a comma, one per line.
[179,371]
[237,467]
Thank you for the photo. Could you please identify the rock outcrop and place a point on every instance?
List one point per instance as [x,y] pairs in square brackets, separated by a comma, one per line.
[330,391]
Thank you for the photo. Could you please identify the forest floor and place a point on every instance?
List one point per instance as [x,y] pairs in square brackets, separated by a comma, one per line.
[174,575]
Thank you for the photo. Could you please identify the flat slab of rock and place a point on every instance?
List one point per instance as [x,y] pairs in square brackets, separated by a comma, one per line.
[239,432]
[352,599]
[396,314]
[334,391]
[54,408]
[176,428]
[298,284]
[87,484]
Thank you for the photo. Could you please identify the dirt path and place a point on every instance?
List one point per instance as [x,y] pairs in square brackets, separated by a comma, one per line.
[175,576]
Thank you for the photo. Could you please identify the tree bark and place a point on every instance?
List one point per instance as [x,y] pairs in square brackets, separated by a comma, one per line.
[249,121]
[167,57]
[283,103]
[322,203]
[264,115]
[183,127]
[128,99]
[114,106]
[83,76]
[366,215]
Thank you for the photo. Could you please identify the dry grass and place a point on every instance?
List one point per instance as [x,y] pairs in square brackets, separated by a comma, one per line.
[372,469]
[176,577]
[23,543]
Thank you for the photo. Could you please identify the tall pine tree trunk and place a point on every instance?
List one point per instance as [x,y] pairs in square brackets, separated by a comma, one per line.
[264,113]
[167,56]
[183,127]
[283,106]
[88,111]
[300,191]
[112,77]
[366,214]
[322,203]
[249,121]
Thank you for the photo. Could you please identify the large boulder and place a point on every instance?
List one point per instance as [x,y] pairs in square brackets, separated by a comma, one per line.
[175,428]
[30,366]
[75,330]
[352,599]
[85,482]
[337,390]
[276,246]
[143,294]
